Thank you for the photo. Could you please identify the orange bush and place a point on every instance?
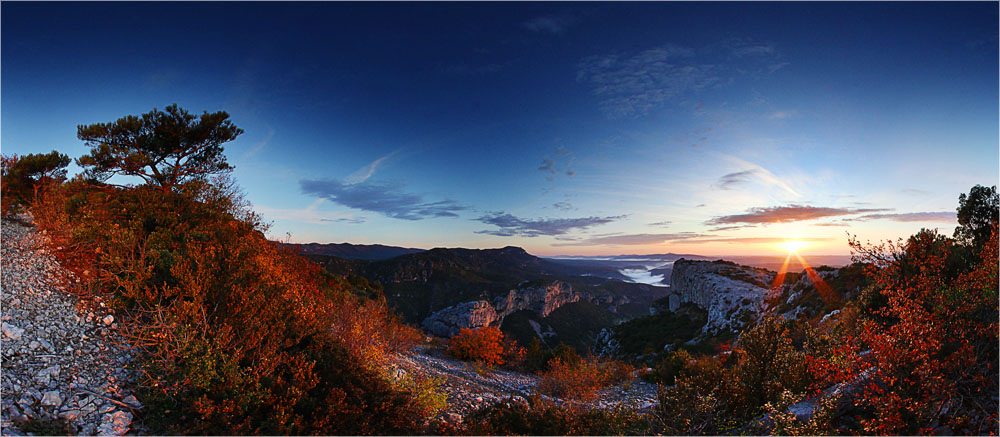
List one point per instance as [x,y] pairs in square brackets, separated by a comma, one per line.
[483,344]
[582,380]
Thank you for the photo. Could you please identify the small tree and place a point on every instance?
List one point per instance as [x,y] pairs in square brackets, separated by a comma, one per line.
[164,148]
[24,176]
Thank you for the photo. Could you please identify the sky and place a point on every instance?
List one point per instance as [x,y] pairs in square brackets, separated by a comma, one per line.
[563,128]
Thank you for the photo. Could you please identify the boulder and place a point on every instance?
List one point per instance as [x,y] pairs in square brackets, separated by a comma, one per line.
[448,321]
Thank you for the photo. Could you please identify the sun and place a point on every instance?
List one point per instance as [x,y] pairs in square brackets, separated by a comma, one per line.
[793,246]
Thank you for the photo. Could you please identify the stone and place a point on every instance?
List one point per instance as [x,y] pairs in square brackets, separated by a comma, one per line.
[108,319]
[448,321]
[52,398]
[117,423]
[12,332]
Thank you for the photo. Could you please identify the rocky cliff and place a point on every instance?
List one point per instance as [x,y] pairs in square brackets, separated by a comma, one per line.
[733,295]
[541,300]
[447,322]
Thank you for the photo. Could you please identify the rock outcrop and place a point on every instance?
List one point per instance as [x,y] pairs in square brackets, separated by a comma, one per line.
[733,295]
[448,321]
[475,314]
[541,300]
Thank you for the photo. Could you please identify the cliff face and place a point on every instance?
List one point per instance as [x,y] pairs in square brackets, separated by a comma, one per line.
[733,295]
[475,314]
[541,300]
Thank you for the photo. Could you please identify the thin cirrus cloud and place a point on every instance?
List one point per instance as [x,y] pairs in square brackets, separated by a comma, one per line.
[551,24]
[757,240]
[790,213]
[509,225]
[633,84]
[753,173]
[633,239]
[929,216]
[388,199]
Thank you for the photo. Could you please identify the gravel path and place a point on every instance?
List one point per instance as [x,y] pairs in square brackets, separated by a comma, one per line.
[61,370]
[469,389]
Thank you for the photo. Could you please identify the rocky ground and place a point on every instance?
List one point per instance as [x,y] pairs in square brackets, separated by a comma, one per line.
[469,388]
[63,369]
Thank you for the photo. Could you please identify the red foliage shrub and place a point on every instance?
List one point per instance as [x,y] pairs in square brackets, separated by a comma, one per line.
[484,345]
[581,380]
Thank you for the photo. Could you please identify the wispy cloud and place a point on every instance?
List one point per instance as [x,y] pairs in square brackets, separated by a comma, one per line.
[755,240]
[631,84]
[558,163]
[563,206]
[752,172]
[551,24]
[363,173]
[663,223]
[731,180]
[388,199]
[782,115]
[309,214]
[259,145]
[790,213]
[510,225]
[929,216]
[633,239]
[729,228]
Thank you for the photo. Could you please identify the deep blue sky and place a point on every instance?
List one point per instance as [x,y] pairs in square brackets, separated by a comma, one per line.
[590,128]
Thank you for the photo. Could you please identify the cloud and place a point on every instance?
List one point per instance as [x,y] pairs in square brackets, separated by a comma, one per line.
[258,146]
[753,171]
[388,199]
[729,228]
[729,181]
[914,192]
[790,213]
[363,173]
[941,216]
[633,84]
[510,225]
[551,24]
[782,115]
[559,162]
[309,214]
[663,223]
[756,240]
[633,239]
[838,224]
[564,206]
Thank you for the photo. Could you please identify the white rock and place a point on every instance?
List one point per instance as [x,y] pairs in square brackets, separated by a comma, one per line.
[108,319]
[12,332]
[52,398]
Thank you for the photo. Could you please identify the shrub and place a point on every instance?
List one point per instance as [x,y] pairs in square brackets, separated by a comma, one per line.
[234,333]
[537,416]
[581,380]
[669,367]
[484,345]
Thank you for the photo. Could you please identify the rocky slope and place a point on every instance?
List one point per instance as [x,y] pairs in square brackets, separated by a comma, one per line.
[63,368]
[475,314]
[469,389]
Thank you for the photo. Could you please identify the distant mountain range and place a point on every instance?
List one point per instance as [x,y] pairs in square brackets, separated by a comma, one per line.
[367,252]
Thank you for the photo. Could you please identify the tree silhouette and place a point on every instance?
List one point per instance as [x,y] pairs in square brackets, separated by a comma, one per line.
[164,148]
[978,212]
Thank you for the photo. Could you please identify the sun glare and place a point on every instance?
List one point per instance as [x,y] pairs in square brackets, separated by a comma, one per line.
[793,246]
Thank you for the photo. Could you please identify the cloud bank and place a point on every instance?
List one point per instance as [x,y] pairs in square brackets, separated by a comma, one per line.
[510,225]
[784,214]
[388,199]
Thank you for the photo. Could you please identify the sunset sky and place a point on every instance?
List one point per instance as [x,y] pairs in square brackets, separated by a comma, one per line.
[576,129]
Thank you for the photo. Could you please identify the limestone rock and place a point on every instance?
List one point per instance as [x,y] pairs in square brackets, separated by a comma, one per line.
[447,322]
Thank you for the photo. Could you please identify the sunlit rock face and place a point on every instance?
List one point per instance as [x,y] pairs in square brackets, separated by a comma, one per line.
[541,300]
[447,322]
[733,295]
